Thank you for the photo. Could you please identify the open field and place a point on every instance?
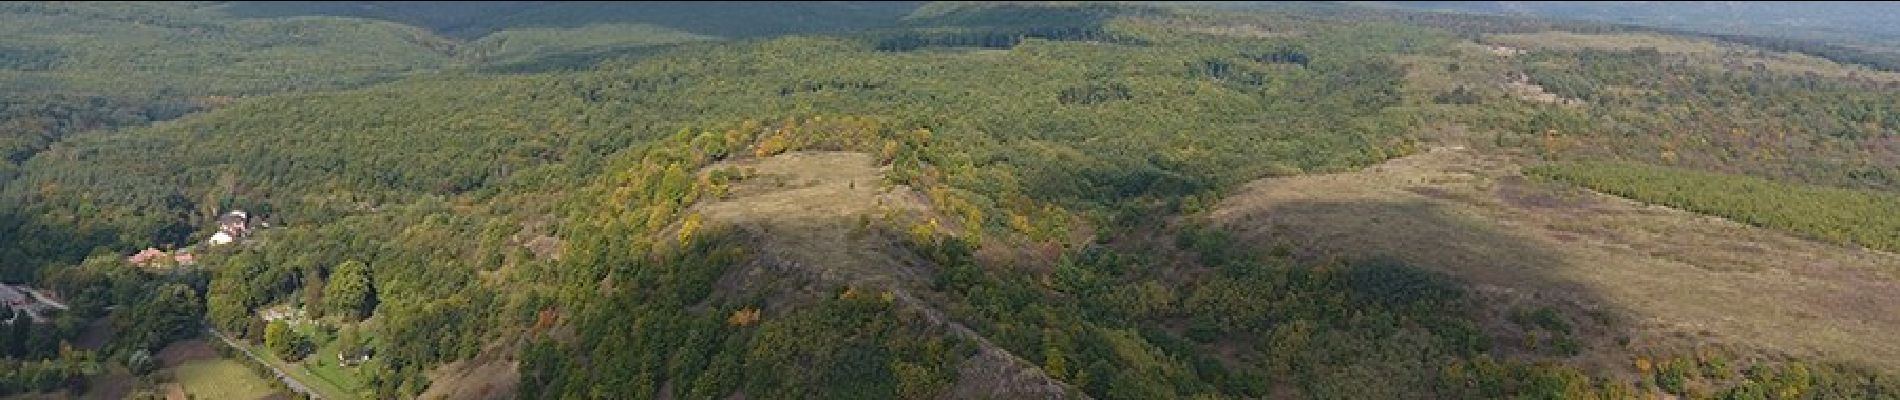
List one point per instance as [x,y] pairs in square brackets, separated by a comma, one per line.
[1667,273]
[803,205]
[198,370]
[221,379]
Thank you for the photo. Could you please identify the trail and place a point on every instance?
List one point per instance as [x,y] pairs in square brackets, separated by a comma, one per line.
[1027,378]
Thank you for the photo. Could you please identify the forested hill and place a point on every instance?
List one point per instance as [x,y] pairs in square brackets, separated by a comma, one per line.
[68,68]
[958,200]
[475,19]
[1849,32]
[1809,20]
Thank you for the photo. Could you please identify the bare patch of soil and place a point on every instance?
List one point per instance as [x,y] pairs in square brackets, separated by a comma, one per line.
[186,351]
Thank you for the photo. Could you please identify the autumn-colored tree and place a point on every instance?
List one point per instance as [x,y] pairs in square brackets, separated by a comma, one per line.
[743,317]
[688,227]
[284,342]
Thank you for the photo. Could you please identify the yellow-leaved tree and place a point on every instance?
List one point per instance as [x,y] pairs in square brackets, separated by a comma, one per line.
[688,227]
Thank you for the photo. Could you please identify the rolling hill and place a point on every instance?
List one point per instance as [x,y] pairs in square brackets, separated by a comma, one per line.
[969,200]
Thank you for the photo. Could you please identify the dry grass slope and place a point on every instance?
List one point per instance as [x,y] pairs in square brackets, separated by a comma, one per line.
[804,206]
[1671,273]
[826,220]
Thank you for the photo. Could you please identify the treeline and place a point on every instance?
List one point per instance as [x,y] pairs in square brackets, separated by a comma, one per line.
[32,121]
[1845,54]
[472,21]
[1861,217]
[993,39]
[1001,26]
[1659,108]
[36,376]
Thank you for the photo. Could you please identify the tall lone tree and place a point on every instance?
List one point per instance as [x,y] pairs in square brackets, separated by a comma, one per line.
[286,343]
[348,293]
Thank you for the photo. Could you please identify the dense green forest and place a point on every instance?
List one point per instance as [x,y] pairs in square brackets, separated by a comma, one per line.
[523,182]
[1860,217]
[1853,33]
[1660,108]
[476,19]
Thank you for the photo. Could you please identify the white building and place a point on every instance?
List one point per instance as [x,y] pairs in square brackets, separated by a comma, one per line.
[221,238]
[233,225]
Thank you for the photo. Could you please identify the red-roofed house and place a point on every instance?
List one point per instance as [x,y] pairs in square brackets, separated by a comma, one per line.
[145,258]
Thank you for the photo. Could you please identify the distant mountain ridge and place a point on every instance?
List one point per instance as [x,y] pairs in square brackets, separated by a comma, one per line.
[474,19]
[1804,19]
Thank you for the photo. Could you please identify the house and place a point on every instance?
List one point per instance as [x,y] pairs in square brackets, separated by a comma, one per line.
[353,357]
[236,222]
[232,226]
[221,238]
[153,257]
[146,257]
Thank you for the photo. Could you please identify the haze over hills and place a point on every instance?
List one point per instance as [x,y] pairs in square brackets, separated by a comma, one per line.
[474,19]
[940,200]
[1812,19]
[1847,31]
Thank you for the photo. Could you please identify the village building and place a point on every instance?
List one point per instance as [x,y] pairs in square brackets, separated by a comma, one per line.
[153,257]
[221,238]
[147,257]
[353,356]
[232,226]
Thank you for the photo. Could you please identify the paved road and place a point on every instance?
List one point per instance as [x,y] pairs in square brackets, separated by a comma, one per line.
[288,381]
[40,302]
[41,297]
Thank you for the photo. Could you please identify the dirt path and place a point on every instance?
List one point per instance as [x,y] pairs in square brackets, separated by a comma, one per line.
[1019,378]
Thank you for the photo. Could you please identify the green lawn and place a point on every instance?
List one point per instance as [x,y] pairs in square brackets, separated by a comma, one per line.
[323,365]
[222,378]
[330,384]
